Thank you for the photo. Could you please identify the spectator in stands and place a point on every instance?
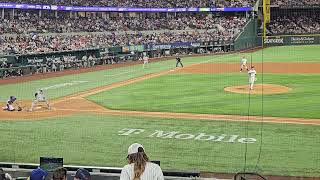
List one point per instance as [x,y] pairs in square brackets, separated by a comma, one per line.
[4,64]
[59,174]
[139,167]
[82,174]
[106,40]
[191,28]
[144,4]
[289,3]
[34,24]
[4,176]
[38,174]
[295,24]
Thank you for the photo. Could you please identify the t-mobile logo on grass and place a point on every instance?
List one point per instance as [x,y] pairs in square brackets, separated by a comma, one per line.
[187,136]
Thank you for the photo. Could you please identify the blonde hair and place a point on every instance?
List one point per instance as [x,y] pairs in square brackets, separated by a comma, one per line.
[140,160]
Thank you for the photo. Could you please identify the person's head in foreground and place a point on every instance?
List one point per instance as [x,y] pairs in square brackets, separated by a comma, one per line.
[82,174]
[139,167]
[59,174]
[38,174]
[4,176]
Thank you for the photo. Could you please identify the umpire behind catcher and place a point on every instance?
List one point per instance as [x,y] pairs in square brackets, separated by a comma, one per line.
[178,59]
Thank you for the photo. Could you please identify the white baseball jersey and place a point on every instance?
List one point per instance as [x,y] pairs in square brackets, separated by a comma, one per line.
[244,61]
[252,73]
[145,59]
[40,96]
[152,172]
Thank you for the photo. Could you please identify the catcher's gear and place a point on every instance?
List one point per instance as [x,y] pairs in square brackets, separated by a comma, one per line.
[13,98]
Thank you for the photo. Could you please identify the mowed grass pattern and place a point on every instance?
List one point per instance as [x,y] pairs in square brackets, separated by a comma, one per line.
[89,139]
[99,78]
[204,93]
[95,140]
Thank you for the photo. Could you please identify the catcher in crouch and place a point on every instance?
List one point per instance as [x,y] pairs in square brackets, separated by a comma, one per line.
[39,97]
[10,104]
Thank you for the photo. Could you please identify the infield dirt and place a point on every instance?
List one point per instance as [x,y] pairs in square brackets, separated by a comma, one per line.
[77,104]
[259,89]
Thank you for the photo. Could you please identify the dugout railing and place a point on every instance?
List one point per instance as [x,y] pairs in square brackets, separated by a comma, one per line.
[23,170]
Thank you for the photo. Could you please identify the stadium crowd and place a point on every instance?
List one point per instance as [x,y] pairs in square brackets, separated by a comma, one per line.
[47,43]
[31,22]
[220,29]
[296,2]
[295,24]
[144,4]
[28,32]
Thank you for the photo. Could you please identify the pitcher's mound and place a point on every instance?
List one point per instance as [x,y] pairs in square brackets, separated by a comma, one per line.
[259,88]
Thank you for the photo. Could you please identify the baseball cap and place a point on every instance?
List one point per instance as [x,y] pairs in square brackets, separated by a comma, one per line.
[83,174]
[134,148]
[38,174]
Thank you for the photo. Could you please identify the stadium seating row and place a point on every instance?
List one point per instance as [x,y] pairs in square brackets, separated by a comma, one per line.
[28,33]
[168,4]
[31,23]
[295,2]
[295,24]
[144,4]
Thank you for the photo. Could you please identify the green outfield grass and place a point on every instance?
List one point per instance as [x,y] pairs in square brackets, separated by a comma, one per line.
[204,93]
[95,140]
[95,79]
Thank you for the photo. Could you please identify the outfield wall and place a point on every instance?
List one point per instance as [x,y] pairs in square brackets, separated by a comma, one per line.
[248,38]
[288,40]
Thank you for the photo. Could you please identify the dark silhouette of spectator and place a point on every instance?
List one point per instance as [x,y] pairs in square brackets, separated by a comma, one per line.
[38,174]
[82,174]
[4,175]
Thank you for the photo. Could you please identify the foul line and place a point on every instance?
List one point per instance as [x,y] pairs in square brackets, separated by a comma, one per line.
[126,82]
[103,110]
[169,114]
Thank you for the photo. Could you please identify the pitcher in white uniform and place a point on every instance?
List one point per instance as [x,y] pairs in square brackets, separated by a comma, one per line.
[39,97]
[252,77]
[243,64]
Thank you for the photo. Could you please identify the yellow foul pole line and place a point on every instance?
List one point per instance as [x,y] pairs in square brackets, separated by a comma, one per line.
[266,18]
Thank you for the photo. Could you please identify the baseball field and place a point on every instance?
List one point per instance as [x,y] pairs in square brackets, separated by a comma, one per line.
[200,117]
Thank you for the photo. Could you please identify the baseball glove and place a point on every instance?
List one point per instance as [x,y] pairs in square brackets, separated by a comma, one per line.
[19,108]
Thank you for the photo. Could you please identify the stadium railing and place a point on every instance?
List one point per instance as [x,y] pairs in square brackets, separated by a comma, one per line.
[23,170]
